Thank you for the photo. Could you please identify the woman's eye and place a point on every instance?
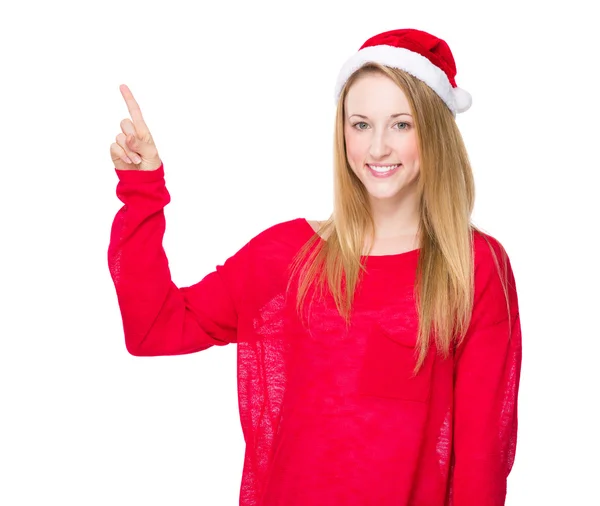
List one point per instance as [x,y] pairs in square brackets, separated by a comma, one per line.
[361,125]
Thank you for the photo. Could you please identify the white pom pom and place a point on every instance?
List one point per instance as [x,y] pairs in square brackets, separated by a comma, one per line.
[462,99]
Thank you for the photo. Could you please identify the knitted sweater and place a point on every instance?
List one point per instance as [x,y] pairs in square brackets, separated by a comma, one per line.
[331,415]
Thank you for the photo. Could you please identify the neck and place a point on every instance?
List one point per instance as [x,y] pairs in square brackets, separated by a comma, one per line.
[395,220]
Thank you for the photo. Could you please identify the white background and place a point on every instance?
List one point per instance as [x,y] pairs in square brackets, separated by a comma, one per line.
[239,98]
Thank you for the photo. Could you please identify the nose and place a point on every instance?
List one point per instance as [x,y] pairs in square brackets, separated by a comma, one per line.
[379,146]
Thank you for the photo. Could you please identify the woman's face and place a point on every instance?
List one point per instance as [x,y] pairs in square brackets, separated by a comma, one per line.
[380,132]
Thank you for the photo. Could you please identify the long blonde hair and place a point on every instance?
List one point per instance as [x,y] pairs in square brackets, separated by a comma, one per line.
[444,286]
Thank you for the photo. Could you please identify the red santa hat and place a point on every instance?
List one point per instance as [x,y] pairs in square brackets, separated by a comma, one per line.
[419,53]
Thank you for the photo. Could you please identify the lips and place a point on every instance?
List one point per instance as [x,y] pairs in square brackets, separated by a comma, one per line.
[381,173]
[376,166]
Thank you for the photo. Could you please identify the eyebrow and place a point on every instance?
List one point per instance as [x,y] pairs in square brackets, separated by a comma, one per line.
[392,116]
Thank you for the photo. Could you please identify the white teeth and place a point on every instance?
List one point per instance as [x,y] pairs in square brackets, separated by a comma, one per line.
[384,168]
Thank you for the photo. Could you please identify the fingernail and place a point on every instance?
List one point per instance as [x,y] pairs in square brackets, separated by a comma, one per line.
[136,159]
[126,159]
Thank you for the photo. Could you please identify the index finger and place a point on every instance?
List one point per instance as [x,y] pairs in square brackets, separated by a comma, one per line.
[134,110]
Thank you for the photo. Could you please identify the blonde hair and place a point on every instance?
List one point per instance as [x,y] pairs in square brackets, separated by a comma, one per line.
[444,286]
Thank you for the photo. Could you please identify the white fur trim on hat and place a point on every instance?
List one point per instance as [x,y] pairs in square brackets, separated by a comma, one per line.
[457,100]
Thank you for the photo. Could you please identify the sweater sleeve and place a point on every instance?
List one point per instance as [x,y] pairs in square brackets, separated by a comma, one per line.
[158,317]
[486,385]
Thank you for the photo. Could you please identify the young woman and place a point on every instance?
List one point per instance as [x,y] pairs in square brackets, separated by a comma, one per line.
[379,352]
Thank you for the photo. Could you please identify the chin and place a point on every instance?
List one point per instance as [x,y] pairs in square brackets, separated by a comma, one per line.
[384,195]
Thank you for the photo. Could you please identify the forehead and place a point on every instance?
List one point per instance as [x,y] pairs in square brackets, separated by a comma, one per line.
[375,93]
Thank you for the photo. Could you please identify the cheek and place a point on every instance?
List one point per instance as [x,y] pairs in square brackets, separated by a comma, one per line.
[412,149]
[355,151]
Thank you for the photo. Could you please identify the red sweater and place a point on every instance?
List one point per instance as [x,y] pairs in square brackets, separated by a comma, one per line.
[331,416]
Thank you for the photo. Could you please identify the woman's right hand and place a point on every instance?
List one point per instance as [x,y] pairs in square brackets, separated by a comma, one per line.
[134,149]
